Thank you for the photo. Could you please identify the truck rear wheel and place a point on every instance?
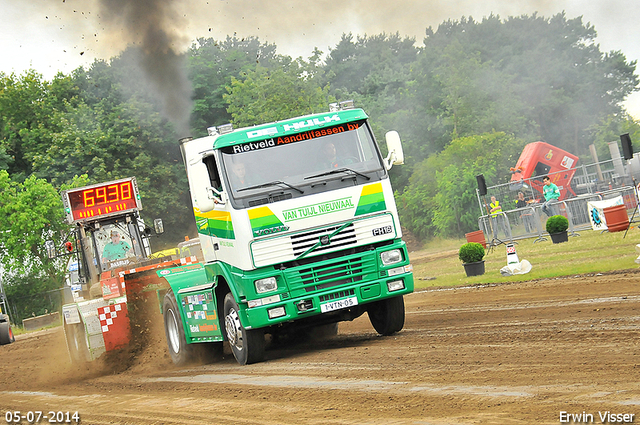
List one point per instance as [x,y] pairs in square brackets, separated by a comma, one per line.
[77,342]
[180,352]
[387,316]
[6,334]
[247,345]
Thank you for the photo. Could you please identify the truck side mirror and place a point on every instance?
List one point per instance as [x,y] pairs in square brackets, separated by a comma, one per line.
[203,194]
[51,249]
[394,146]
[158,226]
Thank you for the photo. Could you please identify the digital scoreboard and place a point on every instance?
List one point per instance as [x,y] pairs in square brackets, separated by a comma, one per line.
[101,200]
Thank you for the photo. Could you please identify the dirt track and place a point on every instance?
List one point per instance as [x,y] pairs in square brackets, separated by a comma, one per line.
[511,354]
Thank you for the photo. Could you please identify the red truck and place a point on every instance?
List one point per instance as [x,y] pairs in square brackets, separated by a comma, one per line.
[540,159]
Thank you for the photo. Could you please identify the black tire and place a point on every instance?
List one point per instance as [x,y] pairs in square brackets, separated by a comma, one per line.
[77,343]
[387,316]
[182,353]
[6,335]
[247,345]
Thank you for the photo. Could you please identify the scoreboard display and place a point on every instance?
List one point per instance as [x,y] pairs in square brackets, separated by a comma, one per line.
[101,200]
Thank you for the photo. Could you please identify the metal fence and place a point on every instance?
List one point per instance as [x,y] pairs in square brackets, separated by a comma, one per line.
[593,179]
[529,222]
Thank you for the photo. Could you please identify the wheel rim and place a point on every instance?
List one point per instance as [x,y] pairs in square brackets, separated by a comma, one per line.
[234,329]
[10,334]
[172,331]
[76,342]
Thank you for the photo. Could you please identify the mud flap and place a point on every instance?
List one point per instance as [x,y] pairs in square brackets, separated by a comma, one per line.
[200,314]
[195,296]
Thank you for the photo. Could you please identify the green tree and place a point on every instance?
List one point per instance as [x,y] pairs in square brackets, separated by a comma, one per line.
[28,104]
[370,65]
[267,96]
[30,213]
[441,199]
[213,65]
[540,78]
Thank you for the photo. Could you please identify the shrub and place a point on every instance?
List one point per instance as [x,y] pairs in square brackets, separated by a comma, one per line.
[557,224]
[471,252]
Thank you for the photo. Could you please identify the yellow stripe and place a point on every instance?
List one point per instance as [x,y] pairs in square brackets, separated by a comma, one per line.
[259,213]
[372,188]
[216,215]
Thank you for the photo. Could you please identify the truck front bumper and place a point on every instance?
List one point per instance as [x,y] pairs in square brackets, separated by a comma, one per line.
[356,280]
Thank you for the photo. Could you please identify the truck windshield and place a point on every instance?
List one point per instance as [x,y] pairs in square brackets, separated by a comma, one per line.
[301,164]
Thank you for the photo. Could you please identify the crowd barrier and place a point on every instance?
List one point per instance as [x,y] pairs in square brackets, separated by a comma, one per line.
[529,222]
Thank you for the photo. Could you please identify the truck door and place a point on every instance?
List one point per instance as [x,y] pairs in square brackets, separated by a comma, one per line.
[214,225]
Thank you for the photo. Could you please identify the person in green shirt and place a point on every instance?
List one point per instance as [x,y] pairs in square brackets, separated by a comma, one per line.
[116,249]
[551,194]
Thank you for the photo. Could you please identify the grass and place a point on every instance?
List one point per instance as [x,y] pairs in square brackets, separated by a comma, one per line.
[437,264]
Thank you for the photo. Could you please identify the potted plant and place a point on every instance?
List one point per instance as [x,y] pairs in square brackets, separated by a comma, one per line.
[557,228]
[471,255]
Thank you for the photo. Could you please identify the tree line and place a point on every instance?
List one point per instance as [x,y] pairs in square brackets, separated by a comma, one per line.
[465,102]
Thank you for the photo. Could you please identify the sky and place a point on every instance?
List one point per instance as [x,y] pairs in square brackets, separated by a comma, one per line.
[61,35]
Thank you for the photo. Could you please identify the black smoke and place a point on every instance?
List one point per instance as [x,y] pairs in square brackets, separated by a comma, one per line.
[152,26]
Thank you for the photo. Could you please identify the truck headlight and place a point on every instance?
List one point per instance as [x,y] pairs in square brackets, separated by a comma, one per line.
[266,285]
[395,285]
[276,312]
[391,257]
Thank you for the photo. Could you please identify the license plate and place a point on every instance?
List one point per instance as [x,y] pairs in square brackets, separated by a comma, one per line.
[339,304]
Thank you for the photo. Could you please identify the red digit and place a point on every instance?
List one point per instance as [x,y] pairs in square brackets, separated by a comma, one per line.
[112,193]
[101,195]
[88,199]
[125,190]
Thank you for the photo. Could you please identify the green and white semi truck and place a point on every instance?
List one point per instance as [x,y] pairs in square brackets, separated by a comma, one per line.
[299,229]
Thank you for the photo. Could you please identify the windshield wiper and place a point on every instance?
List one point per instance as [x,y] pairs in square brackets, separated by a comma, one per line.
[339,170]
[273,183]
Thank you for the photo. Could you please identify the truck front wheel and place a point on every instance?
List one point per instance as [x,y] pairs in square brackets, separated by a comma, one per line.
[6,334]
[247,345]
[387,316]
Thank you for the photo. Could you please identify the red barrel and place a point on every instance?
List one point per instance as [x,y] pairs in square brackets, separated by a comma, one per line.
[477,236]
[616,218]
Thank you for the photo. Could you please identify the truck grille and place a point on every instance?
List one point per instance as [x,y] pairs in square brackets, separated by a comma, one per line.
[329,275]
[277,249]
[302,242]
[330,272]
[336,295]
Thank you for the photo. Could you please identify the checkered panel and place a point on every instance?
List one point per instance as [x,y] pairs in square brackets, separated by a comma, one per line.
[115,325]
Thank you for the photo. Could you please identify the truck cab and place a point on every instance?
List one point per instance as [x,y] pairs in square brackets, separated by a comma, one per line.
[540,159]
